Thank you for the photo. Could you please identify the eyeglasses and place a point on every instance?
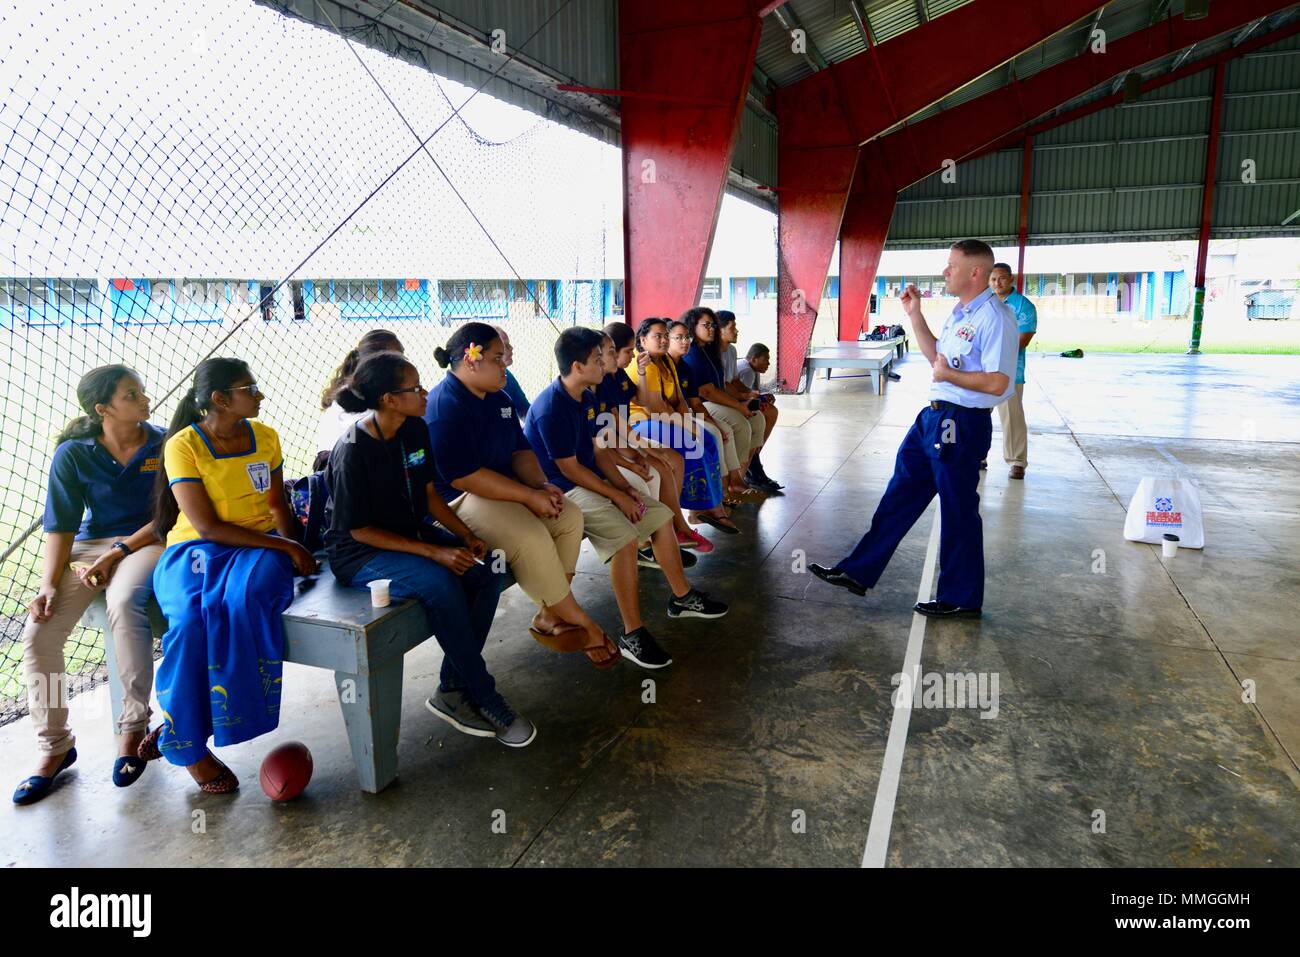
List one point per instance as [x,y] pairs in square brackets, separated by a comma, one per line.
[253,391]
[414,388]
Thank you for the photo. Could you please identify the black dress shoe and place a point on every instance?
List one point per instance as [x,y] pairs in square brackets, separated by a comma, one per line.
[942,609]
[838,579]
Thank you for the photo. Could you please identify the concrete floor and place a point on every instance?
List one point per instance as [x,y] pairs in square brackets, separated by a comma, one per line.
[1119,692]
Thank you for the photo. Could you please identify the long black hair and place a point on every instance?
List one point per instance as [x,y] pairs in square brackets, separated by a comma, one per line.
[97,387]
[478,333]
[376,375]
[711,349]
[644,329]
[621,334]
[376,340]
[212,375]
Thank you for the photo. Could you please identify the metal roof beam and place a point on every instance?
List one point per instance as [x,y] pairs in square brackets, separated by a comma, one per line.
[920,12]
[1232,53]
[860,18]
[966,129]
[788,19]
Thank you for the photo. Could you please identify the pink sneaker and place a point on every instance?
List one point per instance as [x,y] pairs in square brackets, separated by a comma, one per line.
[695,540]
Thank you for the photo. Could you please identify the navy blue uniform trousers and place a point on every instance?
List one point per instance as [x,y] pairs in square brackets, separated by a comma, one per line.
[941,455]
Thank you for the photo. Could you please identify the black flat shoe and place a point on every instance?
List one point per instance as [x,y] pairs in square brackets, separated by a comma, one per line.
[838,579]
[942,609]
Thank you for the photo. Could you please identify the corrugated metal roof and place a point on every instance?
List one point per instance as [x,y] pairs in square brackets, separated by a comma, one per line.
[1134,171]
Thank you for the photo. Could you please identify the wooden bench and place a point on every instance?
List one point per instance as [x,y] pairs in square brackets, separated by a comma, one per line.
[874,358]
[332,626]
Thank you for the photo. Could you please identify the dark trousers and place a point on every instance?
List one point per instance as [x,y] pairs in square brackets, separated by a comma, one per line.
[460,609]
[940,455]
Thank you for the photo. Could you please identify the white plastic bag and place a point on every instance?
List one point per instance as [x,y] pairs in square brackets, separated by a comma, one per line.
[1163,505]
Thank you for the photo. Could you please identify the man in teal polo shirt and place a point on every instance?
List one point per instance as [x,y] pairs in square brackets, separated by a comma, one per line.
[1015,434]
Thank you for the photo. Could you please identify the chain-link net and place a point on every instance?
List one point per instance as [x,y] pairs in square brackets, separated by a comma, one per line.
[180,180]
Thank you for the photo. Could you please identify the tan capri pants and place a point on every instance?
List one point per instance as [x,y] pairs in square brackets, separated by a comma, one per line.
[127,598]
[747,432]
[607,528]
[541,552]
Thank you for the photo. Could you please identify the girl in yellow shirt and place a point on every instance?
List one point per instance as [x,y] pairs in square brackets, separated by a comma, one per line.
[660,413]
[226,576]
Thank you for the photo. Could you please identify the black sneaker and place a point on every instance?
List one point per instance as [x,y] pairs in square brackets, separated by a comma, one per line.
[645,557]
[640,648]
[696,604]
[762,481]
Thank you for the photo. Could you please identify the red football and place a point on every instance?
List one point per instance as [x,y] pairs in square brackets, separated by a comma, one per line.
[286,771]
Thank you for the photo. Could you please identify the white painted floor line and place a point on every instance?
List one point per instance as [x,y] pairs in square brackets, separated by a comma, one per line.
[882,813]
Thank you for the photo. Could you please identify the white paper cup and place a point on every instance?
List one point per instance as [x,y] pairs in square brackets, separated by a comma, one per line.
[1169,547]
[379,592]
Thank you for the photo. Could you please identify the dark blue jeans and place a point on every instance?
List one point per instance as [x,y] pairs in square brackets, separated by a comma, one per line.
[941,455]
[459,608]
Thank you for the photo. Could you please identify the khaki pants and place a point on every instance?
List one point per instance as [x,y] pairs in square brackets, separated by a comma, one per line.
[1015,434]
[607,528]
[747,432]
[541,552]
[127,598]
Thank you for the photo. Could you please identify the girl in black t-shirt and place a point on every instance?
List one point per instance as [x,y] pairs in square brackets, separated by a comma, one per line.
[381,475]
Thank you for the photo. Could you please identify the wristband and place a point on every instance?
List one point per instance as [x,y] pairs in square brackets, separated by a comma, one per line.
[123,547]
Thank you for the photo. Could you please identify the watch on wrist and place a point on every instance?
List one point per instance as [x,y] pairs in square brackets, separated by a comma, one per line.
[123,547]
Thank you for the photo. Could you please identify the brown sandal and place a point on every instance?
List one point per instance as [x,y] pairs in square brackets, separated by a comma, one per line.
[148,749]
[223,783]
[608,647]
[563,640]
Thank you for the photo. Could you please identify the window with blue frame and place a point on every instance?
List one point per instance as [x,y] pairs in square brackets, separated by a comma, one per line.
[50,302]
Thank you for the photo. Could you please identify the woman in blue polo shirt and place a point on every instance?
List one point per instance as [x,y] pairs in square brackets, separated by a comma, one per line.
[98,538]
[488,474]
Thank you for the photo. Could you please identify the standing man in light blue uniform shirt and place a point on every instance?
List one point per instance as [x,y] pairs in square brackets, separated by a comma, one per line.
[974,367]
[1015,434]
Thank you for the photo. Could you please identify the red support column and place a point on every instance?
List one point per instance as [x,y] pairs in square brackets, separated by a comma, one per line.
[862,239]
[685,67]
[1207,209]
[826,117]
[1026,171]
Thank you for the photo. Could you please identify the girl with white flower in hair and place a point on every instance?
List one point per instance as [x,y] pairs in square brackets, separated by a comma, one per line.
[488,474]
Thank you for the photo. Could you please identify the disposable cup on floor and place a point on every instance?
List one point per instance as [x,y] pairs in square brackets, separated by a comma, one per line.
[1169,546]
[379,592]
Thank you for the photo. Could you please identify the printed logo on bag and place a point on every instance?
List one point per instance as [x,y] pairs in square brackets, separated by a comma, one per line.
[415,458]
[1164,514]
[259,473]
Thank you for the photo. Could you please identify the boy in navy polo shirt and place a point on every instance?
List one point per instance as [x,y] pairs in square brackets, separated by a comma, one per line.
[618,511]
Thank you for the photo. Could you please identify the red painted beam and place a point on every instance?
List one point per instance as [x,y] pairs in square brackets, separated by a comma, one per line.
[1211,162]
[965,129]
[1106,102]
[862,239]
[690,65]
[824,118]
[1026,171]
[874,90]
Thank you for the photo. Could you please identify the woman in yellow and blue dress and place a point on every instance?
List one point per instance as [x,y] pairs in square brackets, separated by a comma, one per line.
[225,577]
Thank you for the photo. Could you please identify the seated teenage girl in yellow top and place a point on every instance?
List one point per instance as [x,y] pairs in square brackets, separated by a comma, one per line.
[660,413]
[225,577]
